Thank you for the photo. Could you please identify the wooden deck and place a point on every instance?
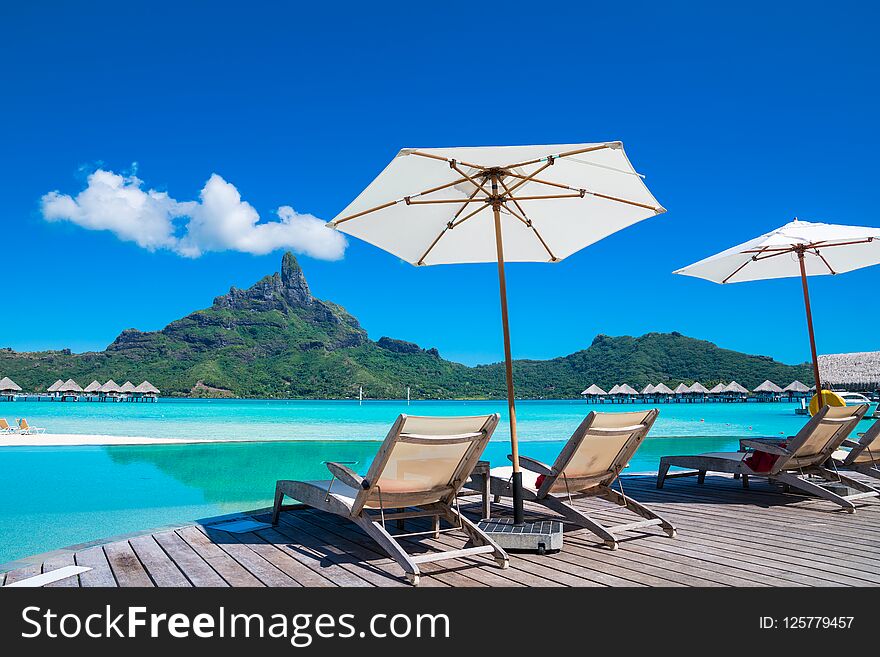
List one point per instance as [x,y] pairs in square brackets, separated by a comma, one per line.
[727,536]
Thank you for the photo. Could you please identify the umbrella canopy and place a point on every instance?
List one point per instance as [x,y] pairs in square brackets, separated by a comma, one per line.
[594,390]
[8,385]
[662,389]
[94,386]
[735,388]
[69,386]
[54,387]
[698,388]
[768,386]
[681,388]
[499,204]
[799,248]
[796,386]
[648,390]
[147,388]
[111,386]
[717,389]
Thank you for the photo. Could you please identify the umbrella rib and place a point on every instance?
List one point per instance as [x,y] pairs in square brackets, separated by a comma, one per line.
[740,268]
[405,199]
[822,258]
[579,151]
[525,179]
[448,227]
[582,192]
[529,223]
[445,159]
[476,184]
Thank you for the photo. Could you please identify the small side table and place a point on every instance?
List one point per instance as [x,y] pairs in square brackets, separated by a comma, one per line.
[480,477]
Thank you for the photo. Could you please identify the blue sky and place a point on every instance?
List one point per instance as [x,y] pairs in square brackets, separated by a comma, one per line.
[741,117]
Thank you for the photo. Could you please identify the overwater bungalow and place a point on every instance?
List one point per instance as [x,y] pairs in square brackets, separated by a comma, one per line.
[717,391]
[594,394]
[662,392]
[680,392]
[8,388]
[625,394]
[647,393]
[767,392]
[796,390]
[70,389]
[53,389]
[127,389]
[697,392]
[94,388]
[146,391]
[734,392]
[111,390]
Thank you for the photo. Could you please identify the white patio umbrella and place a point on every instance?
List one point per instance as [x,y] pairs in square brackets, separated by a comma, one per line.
[799,248]
[436,206]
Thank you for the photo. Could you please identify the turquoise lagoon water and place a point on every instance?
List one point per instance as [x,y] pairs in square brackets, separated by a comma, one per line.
[58,496]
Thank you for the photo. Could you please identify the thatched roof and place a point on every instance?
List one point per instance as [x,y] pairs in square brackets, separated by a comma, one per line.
[662,389]
[796,386]
[614,390]
[699,388]
[7,384]
[147,388]
[128,386]
[648,390]
[54,387]
[718,389]
[733,386]
[94,386]
[681,388]
[111,386]
[626,389]
[768,386]
[69,386]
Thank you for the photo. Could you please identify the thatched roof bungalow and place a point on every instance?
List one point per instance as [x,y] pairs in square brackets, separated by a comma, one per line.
[111,388]
[69,387]
[127,388]
[735,392]
[93,387]
[767,391]
[54,387]
[592,391]
[8,386]
[662,389]
[146,390]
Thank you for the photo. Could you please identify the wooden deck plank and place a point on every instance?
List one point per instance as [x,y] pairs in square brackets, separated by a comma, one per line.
[59,561]
[264,571]
[126,566]
[159,566]
[198,571]
[100,574]
[228,568]
[22,573]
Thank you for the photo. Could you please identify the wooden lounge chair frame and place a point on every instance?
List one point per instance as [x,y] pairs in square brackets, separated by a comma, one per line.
[798,459]
[362,500]
[559,497]
[868,446]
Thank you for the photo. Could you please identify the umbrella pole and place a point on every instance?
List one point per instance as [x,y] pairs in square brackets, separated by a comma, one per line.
[508,364]
[800,254]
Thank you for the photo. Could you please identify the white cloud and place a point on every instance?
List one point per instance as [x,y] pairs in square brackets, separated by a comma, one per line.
[219,221]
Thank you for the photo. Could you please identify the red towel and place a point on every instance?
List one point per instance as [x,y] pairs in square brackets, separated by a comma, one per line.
[539,481]
[762,461]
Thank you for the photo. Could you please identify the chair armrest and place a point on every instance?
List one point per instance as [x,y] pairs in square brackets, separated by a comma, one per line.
[766,447]
[346,475]
[852,444]
[533,465]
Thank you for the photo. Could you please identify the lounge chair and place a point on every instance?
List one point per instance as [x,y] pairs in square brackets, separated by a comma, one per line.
[5,428]
[863,456]
[589,463]
[25,429]
[787,462]
[423,463]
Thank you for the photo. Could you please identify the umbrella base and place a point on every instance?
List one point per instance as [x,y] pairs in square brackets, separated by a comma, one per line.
[542,536]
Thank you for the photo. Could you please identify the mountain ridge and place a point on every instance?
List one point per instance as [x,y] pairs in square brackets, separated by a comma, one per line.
[275,339]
